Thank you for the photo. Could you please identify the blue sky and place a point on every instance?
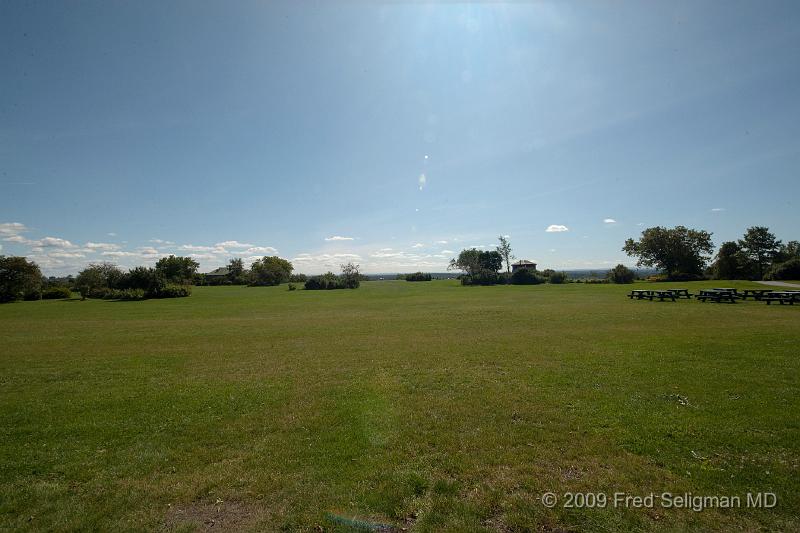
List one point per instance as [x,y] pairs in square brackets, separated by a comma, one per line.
[218,129]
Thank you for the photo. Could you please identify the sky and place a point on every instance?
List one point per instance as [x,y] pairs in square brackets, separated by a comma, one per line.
[391,134]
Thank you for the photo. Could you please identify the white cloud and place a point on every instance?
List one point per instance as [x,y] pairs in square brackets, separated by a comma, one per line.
[418,245]
[234,244]
[112,234]
[447,252]
[422,181]
[609,221]
[441,242]
[339,238]
[102,246]
[261,250]
[556,228]
[51,242]
[160,241]
[16,238]
[717,209]
[8,229]
[119,253]
[194,248]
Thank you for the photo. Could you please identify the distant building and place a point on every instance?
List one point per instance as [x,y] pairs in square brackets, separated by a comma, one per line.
[218,274]
[524,263]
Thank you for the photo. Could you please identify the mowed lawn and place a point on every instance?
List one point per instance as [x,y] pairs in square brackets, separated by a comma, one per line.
[426,406]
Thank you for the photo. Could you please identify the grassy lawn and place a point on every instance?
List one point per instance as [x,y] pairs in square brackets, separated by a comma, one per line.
[428,406]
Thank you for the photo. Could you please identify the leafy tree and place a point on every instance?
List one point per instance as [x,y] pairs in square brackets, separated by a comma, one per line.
[759,248]
[504,249]
[787,270]
[481,267]
[621,274]
[96,279]
[270,270]
[350,276]
[674,250]
[728,263]
[557,278]
[177,269]
[526,276]
[19,279]
[236,272]
[788,251]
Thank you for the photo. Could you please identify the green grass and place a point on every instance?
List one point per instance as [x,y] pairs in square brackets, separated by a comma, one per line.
[422,405]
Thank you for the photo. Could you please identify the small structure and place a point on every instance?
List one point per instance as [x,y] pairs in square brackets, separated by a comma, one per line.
[523,263]
[218,274]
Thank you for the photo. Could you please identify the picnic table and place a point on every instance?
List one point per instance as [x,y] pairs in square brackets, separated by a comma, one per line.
[680,293]
[756,294]
[717,295]
[650,294]
[783,297]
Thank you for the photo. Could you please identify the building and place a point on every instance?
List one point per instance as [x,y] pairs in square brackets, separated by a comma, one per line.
[218,274]
[523,263]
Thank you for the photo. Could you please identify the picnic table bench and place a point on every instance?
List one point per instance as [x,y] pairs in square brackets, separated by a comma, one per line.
[649,294]
[783,297]
[680,293]
[718,295]
[756,294]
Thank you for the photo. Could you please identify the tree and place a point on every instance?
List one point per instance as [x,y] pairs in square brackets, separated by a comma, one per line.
[236,273]
[177,269]
[728,263]
[19,279]
[759,247]
[621,274]
[270,270]
[350,276]
[98,278]
[788,251]
[504,249]
[475,263]
[677,250]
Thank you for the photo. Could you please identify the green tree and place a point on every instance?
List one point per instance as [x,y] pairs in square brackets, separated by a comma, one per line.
[350,276]
[504,249]
[728,263]
[236,272]
[270,270]
[759,248]
[677,250]
[19,279]
[98,278]
[621,274]
[177,269]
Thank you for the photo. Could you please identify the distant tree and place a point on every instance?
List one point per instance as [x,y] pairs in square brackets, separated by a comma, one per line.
[677,250]
[759,248]
[621,274]
[270,270]
[481,267]
[236,272]
[787,270]
[416,276]
[19,279]
[176,269]
[96,279]
[557,278]
[526,276]
[728,263]
[350,276]
[504,249]
[788,251]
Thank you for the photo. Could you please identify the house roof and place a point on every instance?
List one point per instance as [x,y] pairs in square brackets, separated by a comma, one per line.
[221,271]
[523,262]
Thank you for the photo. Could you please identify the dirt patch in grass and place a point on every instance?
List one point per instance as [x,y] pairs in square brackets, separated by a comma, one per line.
[221,516]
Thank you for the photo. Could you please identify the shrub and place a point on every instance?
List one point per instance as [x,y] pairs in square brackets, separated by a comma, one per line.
[292,287]
[327,281]
[685,276]
[350,278]
[526,276]
[172,290]
[56,293]
[483,278]
[298,278]
[418,276]
[621,274]
[558,278]
[787,270]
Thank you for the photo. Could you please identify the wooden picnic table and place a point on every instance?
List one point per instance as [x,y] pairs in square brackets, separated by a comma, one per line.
[783,297]
[717,295]
[650,294]
[756,294]
[680,293]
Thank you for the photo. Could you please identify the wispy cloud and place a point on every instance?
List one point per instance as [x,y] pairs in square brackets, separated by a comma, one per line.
[102,246]
[556,228]
[233,244]
[418,245]
[339,238]
[10,229]
[422,181]
[717,209]
[609,221]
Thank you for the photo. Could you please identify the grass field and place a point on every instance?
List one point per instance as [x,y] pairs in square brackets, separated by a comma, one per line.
[428,406]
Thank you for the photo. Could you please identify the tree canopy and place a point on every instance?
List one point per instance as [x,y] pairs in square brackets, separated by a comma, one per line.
[270,270]
[677,250]
[19,279]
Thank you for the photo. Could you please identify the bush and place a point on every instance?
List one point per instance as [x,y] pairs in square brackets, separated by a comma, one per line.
[621,274]
[526,276]
[558,278]
[125,294]
[787,270]
[484,278]
[298,278]
[292,287]
[172,290]
[19,279]
[56,293]
[327,281]
[418,276]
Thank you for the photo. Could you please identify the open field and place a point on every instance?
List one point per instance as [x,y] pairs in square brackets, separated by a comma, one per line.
[422,405]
